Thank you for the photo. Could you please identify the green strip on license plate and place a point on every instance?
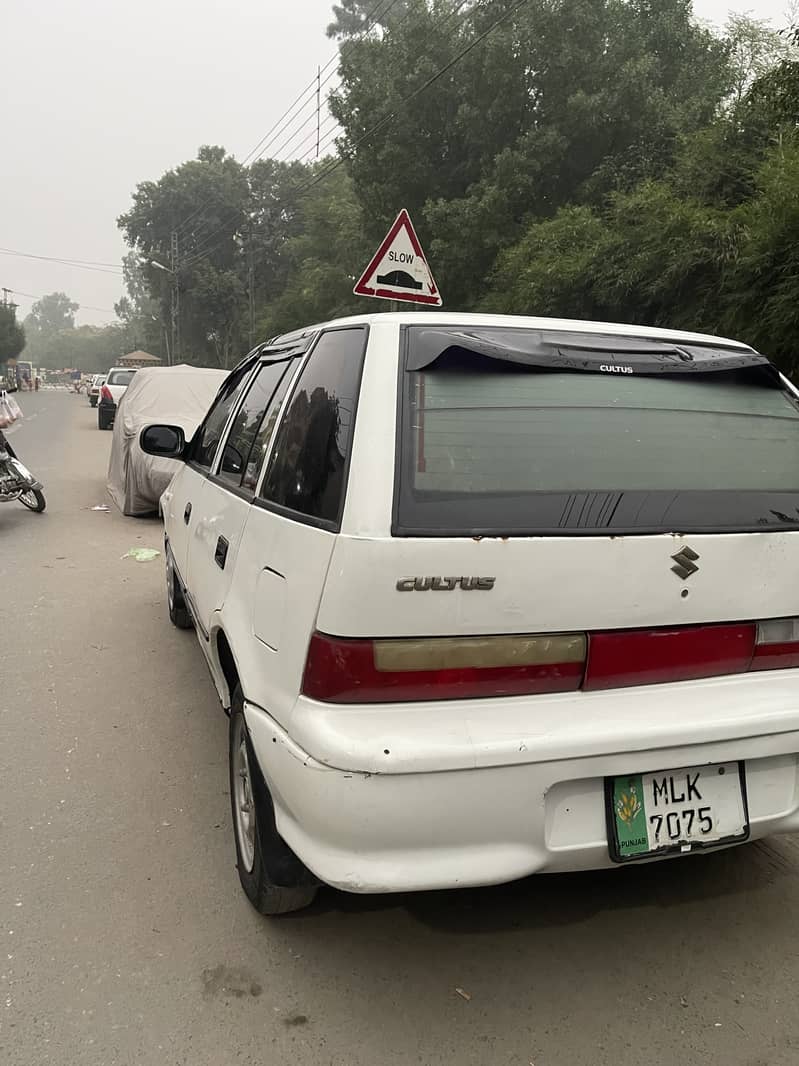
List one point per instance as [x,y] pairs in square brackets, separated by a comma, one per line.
[630,816]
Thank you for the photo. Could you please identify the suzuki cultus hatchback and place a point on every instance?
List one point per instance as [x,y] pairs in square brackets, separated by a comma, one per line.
[492,596]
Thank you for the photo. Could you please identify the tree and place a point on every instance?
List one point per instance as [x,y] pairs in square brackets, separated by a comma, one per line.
[355,17]
[754,49]
[51,314]
[615,86]
[762,282]
[323,258]
[232,224]
[141,314]
[12,335]
[203,201]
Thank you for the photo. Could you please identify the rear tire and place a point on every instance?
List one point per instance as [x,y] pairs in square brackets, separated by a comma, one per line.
[262,856]
[34,500]
[178,611]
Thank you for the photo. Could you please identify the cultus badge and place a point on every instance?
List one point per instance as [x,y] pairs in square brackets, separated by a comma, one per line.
[445,584]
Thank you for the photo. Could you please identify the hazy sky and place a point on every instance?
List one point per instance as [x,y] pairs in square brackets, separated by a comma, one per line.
[100,94]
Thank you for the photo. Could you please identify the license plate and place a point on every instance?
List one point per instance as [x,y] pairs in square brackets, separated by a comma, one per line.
[676,810]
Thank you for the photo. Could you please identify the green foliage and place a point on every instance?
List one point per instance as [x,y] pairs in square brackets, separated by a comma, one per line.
[12,335]
[762,285]
[592,158]
[323,260]
[51,314]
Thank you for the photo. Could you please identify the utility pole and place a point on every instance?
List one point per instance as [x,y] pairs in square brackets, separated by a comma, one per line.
[318,105]
[251,286]
[5,296]
[174,356]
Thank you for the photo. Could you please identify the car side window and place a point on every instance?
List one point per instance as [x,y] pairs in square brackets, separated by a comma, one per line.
[235,467]
[260,446]
[307,469]
[206,439]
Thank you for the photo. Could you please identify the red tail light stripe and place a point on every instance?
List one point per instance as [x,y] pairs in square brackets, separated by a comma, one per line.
[346,670]
[652,657]
[776,656]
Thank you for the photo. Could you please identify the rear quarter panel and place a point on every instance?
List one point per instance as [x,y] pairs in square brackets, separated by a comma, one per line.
[283,564]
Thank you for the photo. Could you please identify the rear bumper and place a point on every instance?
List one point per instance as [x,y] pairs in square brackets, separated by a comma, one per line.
[535,805]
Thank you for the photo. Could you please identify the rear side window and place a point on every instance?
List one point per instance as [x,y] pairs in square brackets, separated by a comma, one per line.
[235,467]
[207,437]
[308,467]
[495,446]
[260,445]
[120,377]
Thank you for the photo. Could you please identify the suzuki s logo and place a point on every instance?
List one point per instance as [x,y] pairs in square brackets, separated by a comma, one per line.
[685,563]
[606,369]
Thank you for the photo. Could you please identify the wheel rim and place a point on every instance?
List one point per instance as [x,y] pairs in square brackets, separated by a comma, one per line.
[29,499]
[243,807]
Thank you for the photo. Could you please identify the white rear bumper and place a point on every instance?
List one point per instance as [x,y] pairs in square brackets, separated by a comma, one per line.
[537,804]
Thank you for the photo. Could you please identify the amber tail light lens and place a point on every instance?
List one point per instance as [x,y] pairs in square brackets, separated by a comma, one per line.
[341,670]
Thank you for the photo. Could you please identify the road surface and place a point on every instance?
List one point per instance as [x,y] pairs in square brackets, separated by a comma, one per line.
[124,936]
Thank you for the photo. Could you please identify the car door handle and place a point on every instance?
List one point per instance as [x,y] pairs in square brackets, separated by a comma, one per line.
[220,555]
[187,513]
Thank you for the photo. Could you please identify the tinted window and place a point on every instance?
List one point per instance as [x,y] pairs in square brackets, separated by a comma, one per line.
[206,439]
[307,471]
[494,446]
[262,440]
[121,377]
[236,468]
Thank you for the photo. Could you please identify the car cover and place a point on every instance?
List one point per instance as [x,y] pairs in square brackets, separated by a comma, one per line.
[176,396]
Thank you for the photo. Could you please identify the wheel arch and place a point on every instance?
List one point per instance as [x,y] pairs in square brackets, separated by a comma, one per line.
[227,667]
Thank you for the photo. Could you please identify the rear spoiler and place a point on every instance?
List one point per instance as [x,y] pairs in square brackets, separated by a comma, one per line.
[586,352]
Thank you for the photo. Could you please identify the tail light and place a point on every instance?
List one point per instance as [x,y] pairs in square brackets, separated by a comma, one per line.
[345,670]
[105,394]
[378,671]
[777,645]
[650,657]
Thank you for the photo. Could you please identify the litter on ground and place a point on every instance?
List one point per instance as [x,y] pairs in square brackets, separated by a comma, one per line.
[141,555]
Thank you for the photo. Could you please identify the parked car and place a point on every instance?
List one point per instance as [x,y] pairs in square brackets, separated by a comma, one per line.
[489,596]
[111,392]
[180,395]
[97,383]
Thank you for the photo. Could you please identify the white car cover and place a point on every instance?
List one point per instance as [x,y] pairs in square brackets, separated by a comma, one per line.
[176,396]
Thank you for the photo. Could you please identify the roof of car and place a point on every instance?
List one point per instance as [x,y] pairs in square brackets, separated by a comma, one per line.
[453,318]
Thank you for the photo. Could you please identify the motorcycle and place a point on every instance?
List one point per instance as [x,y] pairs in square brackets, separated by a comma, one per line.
[16,481]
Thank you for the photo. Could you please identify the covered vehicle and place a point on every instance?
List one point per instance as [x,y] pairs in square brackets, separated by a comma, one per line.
[179,395]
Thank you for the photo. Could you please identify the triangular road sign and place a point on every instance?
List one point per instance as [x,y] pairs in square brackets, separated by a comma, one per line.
[399,270]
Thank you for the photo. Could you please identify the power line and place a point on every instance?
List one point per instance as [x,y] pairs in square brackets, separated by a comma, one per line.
[406,99]
[310,90]
[83,264]
[81,307]
[207,245]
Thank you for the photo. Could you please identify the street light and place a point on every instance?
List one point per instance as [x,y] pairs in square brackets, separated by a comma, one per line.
[174,355]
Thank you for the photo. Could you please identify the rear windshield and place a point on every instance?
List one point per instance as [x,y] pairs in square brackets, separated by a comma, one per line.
[615,443]
[120,377]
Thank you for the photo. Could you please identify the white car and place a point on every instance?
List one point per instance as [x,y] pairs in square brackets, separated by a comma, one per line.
[111,392]
[93,390]
[491,596]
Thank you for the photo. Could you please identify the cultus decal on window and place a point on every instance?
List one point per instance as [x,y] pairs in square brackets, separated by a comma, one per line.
[445,584]
[615,369]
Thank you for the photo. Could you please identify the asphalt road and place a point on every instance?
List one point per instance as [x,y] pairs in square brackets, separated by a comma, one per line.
[124,936]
